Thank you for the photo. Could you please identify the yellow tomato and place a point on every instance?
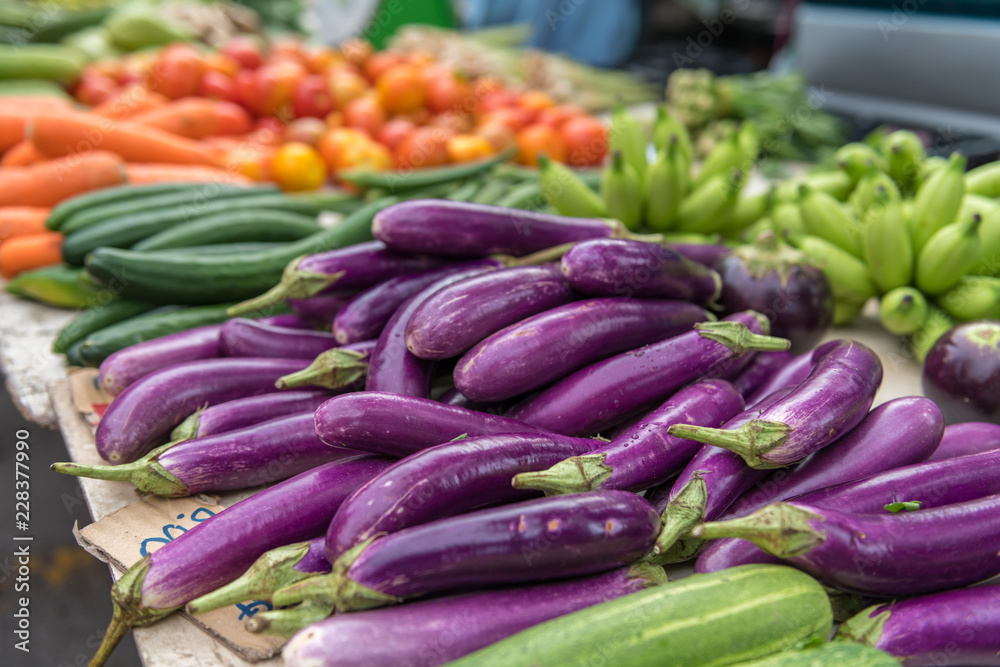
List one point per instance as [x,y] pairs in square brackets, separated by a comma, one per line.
[468,148]
[369,155]
[297,167]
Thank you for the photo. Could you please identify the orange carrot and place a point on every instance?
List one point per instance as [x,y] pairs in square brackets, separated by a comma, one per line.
[23,154]
[197,118]
[172,173]
[22,221]
[48,183]
[128,102]
[56,135]
[30,252]
[36,103]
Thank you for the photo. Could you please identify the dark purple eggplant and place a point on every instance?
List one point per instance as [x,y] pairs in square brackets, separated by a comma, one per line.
[951,629]
[962,372]
[244,412]
[830,402]
[445,480]
[644,455]
[222,547]
[793,373]
[608,392]
[534,540]
[877,554]
[761,368]
[779,281]
[124,367]
[454,397]
[705,254]
[391,366]
[322,308]
[626,268]
[967,438]
[463,229]
[461,315]
[339,369]
[241,337]
[433,632]
[257,455]
[144,414]
[397,425]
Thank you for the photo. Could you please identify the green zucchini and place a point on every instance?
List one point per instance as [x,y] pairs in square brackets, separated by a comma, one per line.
[170,277]
[222,249]
[66,23]
[60,286]
[73,354]
[722,618]
[32,88]
[834,654]
[99,317]
[261,225]
[74,206]
[52,62]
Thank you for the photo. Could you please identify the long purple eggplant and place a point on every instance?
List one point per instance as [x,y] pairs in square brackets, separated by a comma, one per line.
[392,367]
[289,321]
[546,347]
[932,483]
[220,549]
[608,392]
[644,455]
[322,308]
[144,414]
[626,268]
[460,315]
[761,368]
[967,438]
[445,480]
[260,454]
[706,254]
[433,632]
[951,629]
[339,369]
[241,337]
[790,375]
[244,412]
[124,367]
[462,229]
[354,267]
[877,554]
[534,540]
[830,402]
[397,425]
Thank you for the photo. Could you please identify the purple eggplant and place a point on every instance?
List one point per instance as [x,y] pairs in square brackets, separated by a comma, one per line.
[322,308]
[761,368]
[339,369]
[241,337]
[433,632]
[546,347]
[445,480]
[955,628]
[830,402]
[967,438]
[534,540]
[397,425]
[962,372]
[463,229]
[705,254]
[644,455]
[626,268]
[454,397]
[289,321]
[392,367]
[790,375]
[877,554]
[461,315]
[610,391]
[244,412]
[144,414]
[220,549]
[124,367]
[260,454]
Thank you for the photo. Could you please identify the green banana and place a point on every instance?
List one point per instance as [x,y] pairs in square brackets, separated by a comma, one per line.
[950,254]
[835,183]
[938,200]
[973,298]
[930,165]
[667,126]
[845,310]
[725,157]
[848,276]
[664,187]
[566,192]
[787,218]
[904,153]
[705,209]
[752,231]
[886,245]
[626,135]
[825,217]
[749,141]
[873,182]
[984,206]
[989,237]
[936,325]
[984,180]
[903,310]
[854,158]
[746,210]
[622,192]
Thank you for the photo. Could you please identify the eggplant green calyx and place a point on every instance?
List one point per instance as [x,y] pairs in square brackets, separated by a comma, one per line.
[333,369]
[188,428]
[651,575]
[737,337]
[286,622]
[683,512]
[295,284]
[146,474]
[904,506]
[751,442]
[781,529]
[865,627]
[767,253]
[573,475]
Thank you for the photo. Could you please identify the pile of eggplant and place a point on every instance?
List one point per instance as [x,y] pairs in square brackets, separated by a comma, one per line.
[517,410]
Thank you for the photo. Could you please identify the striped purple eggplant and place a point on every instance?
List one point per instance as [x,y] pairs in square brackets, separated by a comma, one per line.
[221,548]
[877,554]
[546,347]
[610,391]
[951,629]
[830,402]
[705,254]
[967,438]
[644,455]
[241,337]
[460,315]
[122,368]
[761,368]
[322,308]
[339,369]
[463,229]
[790,375]
[626,268]
[257,455]
[534,540]
[144,414]
[397,425]
[244,412]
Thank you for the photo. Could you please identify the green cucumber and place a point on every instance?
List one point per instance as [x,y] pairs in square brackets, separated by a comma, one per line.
[60,286]
[99,317]
[66,23]
[733,615]
[222,249]
[834,654]
[255,225]
[33,88]
[418,178]
[52,62]
[75,206]
[171,277]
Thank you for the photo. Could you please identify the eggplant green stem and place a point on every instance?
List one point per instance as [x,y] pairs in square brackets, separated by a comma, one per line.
[286,622]
[573,475]
[552,254]
[295,284]
[737,337]
[146,474]
[333,369]
[684,511]
[188,428]
[864,627]
[751,442]
[781,529]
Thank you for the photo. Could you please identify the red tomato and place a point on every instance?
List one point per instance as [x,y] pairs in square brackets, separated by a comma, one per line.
[401,88]
[380,62]
[357,51]
[311,97]
[245,83]
[178,72]
[275,84]
[220,62]
[500,136]
[536,139]
[365,113]
[319,59]
[345,86]
[394,132]
[217,86]
[447,92]
[333,143]
[498,99]
[307,131]
[287,47]
[458,123]
[514,118]
[424,147]
[94,88]
[245,50]
[586,141]
[555,116]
